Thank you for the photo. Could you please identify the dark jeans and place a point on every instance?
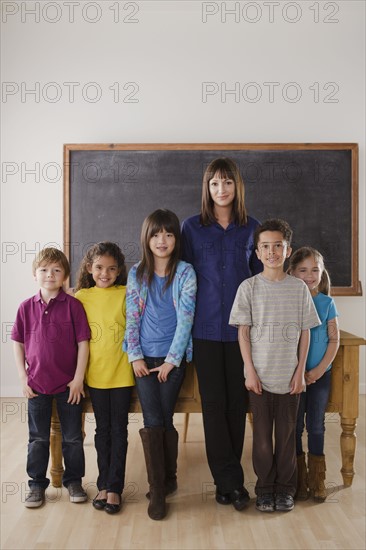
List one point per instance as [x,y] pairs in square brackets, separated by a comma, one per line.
[39,423]
[220,372]
[158,399]
[276,468]
[313,403]
[111,408]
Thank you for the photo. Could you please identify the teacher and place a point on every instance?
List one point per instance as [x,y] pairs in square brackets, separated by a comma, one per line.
[219,244]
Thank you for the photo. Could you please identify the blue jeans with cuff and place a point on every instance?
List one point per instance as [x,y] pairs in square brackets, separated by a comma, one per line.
[39,423]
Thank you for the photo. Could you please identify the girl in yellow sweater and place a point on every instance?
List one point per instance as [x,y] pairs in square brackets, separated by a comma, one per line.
[102,291]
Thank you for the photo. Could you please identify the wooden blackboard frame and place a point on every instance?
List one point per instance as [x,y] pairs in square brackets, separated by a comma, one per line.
[353,290]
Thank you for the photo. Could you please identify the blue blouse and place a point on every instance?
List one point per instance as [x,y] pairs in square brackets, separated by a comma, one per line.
[159,321]
[222,259]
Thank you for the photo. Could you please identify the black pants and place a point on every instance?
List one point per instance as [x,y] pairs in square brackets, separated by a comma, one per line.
[111,415]
[224,399]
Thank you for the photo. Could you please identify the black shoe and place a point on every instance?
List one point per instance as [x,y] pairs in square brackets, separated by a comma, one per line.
[284,502]
[99,503]
[222,498]
[239,498]
[113,508]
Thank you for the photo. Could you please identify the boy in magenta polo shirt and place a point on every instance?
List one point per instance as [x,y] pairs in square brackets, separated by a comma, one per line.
[51,347]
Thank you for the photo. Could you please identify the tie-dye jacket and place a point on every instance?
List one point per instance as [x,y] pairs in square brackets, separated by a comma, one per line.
[184,287]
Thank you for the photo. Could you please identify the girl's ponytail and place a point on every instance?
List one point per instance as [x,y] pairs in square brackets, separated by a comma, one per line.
[324,285]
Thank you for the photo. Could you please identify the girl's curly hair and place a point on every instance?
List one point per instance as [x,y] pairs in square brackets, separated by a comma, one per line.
[106,248]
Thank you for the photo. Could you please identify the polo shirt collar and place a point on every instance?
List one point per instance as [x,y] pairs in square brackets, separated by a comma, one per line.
[61,296]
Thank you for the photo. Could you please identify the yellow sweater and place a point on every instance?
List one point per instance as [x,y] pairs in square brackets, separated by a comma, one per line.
[108,365]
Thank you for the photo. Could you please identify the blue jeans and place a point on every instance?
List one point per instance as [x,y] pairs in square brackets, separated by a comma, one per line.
[158,399]
[312,406]
[111,408]
[39,423]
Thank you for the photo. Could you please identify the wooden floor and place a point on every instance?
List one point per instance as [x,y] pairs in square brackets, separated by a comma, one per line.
[194,520]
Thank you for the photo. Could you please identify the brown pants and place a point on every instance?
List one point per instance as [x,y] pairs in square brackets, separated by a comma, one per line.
[274,459]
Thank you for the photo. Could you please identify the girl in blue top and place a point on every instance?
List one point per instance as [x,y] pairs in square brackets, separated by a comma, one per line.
[161,295]
[308,264]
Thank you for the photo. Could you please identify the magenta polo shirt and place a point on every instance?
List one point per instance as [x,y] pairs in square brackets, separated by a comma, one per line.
[50,334]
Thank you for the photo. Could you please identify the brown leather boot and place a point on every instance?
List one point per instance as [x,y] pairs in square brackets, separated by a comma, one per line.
[153,445]
[317,470]
[302,478]
[170,456]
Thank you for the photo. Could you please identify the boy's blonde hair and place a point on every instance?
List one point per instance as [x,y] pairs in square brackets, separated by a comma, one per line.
[51,255]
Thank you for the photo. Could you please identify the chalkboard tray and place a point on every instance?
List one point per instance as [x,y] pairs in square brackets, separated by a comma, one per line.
[110,188]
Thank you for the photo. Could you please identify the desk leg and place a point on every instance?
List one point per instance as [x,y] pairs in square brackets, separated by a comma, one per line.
[185,428]
[57,469]
[348,448]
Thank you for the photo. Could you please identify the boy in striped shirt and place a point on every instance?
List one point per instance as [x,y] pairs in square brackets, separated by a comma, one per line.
[274,314]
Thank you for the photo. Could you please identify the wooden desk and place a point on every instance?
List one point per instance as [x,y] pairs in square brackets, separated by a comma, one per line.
[343,399]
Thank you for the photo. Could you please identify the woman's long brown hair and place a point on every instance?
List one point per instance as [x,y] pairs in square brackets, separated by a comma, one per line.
[226,168]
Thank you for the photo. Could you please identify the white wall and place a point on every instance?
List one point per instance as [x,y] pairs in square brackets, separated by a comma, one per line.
[167,50]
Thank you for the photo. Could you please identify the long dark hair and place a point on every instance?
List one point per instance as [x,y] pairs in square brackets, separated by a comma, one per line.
[227,169]
[106,248]
[156,222]
[308,252]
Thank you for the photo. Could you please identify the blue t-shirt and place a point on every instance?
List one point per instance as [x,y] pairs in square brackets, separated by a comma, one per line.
[159,321]
[222,259]
[319,340]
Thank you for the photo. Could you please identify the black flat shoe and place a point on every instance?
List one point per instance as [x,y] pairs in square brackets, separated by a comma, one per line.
[222,498]
[239,498]
[113,508]
[99,503]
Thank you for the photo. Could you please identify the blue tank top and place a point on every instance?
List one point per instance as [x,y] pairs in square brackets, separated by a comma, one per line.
[159,321]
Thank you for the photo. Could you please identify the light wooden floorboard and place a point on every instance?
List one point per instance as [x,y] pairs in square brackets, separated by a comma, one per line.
[194,521]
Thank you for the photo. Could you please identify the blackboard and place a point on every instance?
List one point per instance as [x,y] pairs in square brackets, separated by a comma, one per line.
[110,189]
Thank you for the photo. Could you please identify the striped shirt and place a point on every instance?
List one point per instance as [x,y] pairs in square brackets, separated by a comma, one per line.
[277,312]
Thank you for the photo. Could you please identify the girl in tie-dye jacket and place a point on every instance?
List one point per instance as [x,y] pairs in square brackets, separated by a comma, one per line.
[160,303]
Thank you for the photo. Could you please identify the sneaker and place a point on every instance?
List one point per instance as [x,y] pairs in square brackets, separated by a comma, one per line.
[284,502]
[76,492]
[265,503]
[35,497]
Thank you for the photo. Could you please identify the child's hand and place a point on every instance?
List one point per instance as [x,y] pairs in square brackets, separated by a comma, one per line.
[163,371]
[252,383]
[76,391]
[139,368]
[313,375]
[28,392]
[297,384]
